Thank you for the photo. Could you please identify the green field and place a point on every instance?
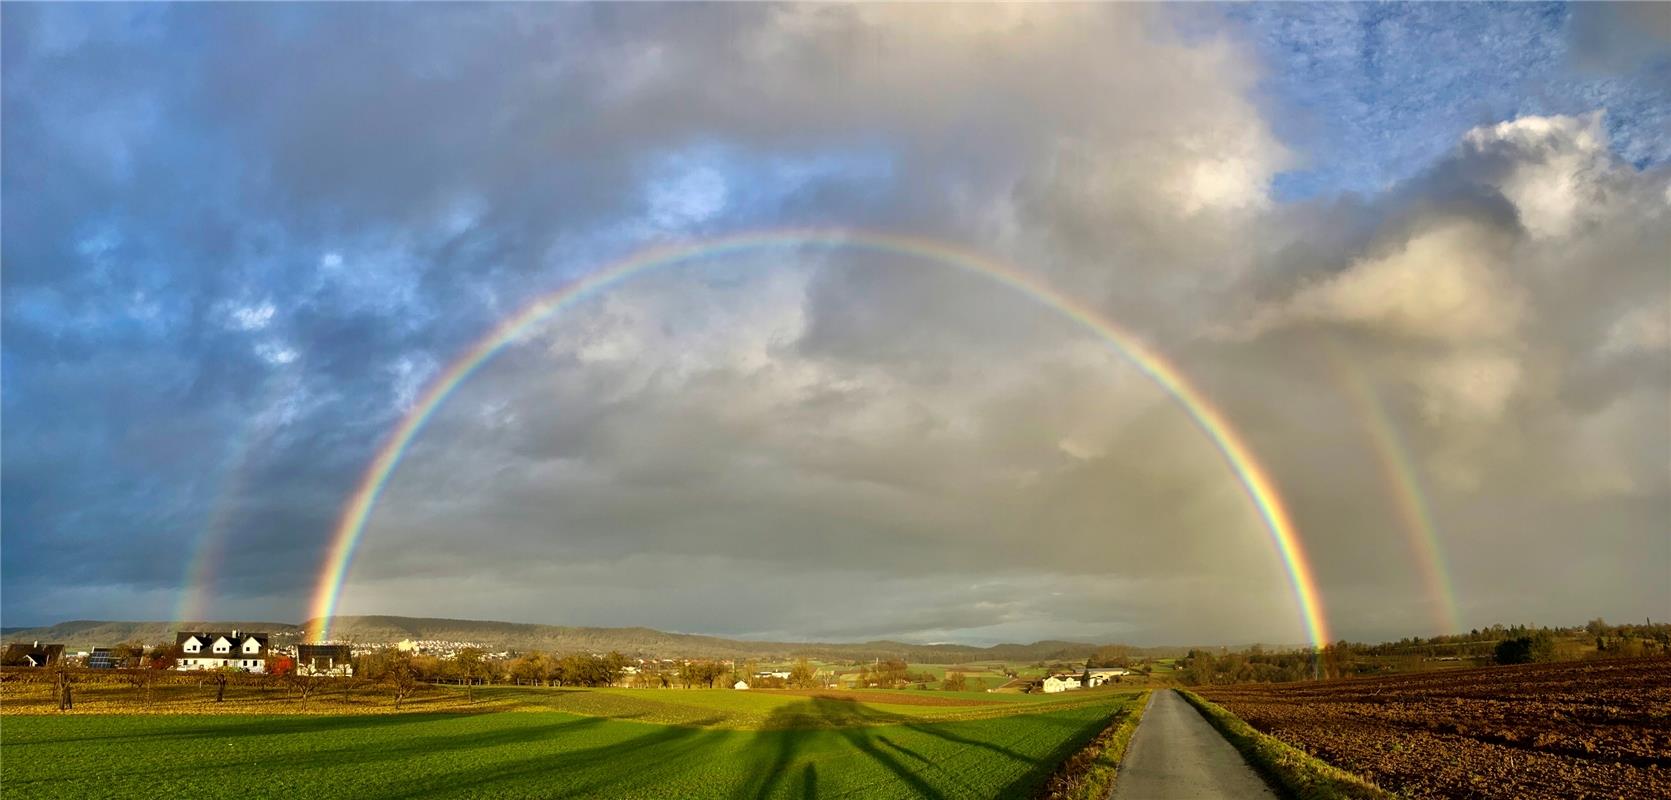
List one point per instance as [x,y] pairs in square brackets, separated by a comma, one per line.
[608,743]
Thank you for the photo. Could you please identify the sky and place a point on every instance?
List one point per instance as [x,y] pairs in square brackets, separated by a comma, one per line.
[1416,255]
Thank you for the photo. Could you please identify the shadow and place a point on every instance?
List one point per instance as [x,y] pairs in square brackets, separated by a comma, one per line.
[785,730]
[862,740]
[541,754]
[809,782]
[1028,783]
[497,776]
[233,726]
[360,753]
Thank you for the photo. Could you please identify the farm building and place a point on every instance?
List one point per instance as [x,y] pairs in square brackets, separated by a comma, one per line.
[33,654]
[1060,683]
[740,685]
[1098,676]
[779,674]
[216,650]
[324,659]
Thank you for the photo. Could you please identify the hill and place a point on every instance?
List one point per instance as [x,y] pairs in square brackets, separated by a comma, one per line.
[84,634]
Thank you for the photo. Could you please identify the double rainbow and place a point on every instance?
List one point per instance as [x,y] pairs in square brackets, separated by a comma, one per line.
[1406,487]
[1253,477]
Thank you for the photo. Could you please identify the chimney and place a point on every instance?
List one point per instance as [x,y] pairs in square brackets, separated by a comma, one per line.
[36,645]
[234,633]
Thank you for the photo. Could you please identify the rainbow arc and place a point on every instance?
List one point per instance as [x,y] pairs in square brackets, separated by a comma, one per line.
[1254,479]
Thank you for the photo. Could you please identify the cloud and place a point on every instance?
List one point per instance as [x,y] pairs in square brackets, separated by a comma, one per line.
[222,293]
[1443,284]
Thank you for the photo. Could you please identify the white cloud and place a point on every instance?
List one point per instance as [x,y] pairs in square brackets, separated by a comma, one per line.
[276,352]
[1554,181]
[252,318]
[1445,283]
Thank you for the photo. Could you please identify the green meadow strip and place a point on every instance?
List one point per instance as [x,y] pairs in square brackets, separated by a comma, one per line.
[1296,773]
[1091,772]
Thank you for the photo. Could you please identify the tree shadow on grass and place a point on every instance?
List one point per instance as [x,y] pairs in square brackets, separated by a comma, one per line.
[788,727]
[223,727]
[1029,782]
[666,740]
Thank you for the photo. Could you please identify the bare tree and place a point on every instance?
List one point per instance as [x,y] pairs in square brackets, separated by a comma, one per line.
[64,677]
[220,678]
[401,676]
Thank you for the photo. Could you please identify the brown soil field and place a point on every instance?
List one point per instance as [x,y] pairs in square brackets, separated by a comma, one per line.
[1566,730]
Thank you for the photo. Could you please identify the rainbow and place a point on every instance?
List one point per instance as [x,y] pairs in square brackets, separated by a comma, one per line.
[193,603]
[1253,477]
[1406,485]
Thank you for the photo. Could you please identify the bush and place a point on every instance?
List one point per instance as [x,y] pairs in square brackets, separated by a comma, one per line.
[1536,648]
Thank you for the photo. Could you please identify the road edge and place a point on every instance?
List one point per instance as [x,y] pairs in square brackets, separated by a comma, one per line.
[1090,773]
[1292,772]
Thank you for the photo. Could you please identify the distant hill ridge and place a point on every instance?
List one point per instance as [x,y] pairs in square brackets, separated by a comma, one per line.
[84,634]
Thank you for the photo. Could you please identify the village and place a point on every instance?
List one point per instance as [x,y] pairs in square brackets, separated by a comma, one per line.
[256,653]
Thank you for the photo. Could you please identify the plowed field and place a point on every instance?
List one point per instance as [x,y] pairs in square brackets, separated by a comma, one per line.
[1579,729]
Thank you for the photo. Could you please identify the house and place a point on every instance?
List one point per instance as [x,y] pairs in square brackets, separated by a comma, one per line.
[325,659]
[216,650]
[1061,683]
[33,654]
[1097,676]
[112,658]
[782,674]
[740,685]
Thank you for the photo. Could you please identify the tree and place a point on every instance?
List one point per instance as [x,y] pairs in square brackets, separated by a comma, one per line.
[890,674]
[1113,655]
[802,675]
[955,682]
[528,667]
[220,677]
[301,683]
[140,679]
[1536,647]
[400,675]
[163,656]
[64,678]
[470,667]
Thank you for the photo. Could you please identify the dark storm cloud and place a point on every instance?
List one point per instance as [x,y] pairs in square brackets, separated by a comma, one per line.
[240,240]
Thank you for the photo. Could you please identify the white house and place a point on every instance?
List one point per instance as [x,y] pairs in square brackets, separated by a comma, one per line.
[779,673]
[1061,683]
[1097,676]
[740,685]
[215,650]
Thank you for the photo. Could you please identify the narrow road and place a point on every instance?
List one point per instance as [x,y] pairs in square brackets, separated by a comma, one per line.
[1177,754]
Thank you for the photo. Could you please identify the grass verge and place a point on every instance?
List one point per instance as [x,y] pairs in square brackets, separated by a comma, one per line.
[1090,773]
[1296,773]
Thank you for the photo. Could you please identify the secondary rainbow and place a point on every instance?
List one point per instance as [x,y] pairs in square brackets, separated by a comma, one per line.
[1254,479]
[1407,494]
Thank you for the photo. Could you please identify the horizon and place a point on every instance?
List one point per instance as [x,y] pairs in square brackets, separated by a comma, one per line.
[303,626]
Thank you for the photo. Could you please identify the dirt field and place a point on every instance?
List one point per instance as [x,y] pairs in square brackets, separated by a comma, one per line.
[1578,729]
[891,698]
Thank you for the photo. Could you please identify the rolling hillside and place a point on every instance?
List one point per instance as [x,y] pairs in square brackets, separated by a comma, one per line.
[82,634]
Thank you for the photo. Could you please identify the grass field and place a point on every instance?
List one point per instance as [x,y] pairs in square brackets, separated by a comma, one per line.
[608,743]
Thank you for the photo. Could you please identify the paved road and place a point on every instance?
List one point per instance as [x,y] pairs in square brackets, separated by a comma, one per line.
[1177,754]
